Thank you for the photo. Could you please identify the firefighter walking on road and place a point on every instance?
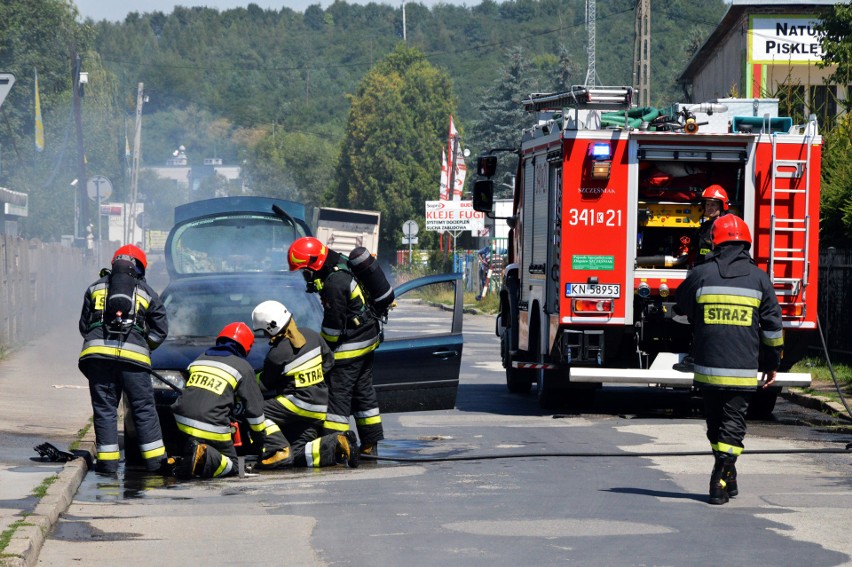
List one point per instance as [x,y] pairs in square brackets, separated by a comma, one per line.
[122,320]
[737,333]
[221,387]
[296,392]
[352,332]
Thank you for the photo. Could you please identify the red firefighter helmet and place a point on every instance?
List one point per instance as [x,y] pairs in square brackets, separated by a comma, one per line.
[718,193]
[238,332]
[131,252]
[730,228]
[307,253]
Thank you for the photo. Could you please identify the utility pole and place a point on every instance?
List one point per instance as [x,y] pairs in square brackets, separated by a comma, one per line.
[642,51]
[130,216]
[82,196]
[403,20]
[591,27]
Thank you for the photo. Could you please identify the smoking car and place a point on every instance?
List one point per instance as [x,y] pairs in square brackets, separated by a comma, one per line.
[224,256]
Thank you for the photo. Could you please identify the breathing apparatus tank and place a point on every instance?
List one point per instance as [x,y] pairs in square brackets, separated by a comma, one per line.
[368,272]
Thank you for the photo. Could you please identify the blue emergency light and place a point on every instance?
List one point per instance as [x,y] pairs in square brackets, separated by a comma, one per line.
[601,151]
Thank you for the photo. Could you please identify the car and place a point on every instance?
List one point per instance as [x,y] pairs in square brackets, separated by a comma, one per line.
[225,258]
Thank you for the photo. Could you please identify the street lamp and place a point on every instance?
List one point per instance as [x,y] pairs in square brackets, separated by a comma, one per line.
[76,210]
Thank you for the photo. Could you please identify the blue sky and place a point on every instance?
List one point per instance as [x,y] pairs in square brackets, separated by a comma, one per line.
[116,10]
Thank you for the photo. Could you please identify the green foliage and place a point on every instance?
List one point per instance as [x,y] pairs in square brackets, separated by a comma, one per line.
[836,190]
[293,165]
[835,29]
[218,81]
[397,125]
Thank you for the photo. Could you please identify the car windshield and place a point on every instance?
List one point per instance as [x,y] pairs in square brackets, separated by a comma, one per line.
[204,312]
[233,243]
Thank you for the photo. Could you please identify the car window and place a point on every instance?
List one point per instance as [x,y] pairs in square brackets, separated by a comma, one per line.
[423,311]
[194,313]
[236,243]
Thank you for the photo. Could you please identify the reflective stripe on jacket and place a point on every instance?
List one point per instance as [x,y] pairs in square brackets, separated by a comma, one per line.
[734,310]
[136,344]
[297,375]
[209,400]
[347,325]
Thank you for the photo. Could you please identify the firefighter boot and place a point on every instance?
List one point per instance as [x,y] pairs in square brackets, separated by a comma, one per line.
[346,451]
[192,463]
[369,452]
[718,494]
[730,476]
[276,460]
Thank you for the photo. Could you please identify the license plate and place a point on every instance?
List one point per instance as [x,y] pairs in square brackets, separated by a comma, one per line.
[592,290]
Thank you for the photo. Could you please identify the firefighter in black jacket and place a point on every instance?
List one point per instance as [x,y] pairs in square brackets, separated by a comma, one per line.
[737,333]
[122,320]
[715,206]
[296,392]
[220,388]
[352,332]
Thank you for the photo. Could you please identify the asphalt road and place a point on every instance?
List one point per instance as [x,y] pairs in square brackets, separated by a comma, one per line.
[526,508]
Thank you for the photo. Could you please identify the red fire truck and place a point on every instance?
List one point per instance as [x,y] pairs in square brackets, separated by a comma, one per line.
[606,200]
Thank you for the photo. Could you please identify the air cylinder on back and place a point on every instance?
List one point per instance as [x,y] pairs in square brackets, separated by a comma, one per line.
[365,267]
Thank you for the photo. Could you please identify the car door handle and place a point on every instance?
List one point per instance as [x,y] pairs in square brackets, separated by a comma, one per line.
[445,354]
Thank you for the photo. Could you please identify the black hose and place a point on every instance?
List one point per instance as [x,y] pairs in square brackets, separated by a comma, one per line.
[604,455]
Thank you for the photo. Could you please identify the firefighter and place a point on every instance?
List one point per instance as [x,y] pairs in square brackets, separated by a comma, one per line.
[122,320]
[352,332]
[715,206]
[737,333]
[221,388]
[296,392]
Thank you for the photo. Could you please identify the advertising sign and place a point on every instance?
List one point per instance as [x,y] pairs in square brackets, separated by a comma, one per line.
[453,216]
[778,38]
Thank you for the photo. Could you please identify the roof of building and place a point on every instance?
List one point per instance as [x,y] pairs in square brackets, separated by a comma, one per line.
[735,12]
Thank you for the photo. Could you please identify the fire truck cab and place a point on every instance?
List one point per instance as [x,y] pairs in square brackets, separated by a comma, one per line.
[607,203]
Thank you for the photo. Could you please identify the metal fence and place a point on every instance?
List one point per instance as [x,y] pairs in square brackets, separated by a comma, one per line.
[40,283]
[835,297]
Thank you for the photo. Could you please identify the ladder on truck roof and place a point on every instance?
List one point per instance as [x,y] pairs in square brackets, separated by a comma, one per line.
[787,288]
[599,98]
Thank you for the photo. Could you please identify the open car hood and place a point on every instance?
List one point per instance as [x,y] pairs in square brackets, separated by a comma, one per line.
[233,235]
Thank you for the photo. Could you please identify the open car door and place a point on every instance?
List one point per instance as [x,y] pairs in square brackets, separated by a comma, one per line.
[417,365]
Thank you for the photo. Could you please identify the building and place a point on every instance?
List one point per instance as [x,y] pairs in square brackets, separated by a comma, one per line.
[14,206]
[766,49]
[177,169]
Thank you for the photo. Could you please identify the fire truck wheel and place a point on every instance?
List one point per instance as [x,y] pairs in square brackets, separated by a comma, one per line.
[763,403]
[517,381]
[548,396]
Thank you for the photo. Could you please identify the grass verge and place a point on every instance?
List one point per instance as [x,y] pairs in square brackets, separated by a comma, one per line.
[39,493]
[821,381]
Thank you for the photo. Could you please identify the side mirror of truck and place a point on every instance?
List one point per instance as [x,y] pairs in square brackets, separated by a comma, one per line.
[486,166]
[483,196]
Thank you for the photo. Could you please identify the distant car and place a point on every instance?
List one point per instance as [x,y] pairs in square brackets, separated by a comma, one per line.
[229,257]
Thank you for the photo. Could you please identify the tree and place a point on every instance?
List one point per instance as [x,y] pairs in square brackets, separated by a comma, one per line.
[391,154]
[835,31]
[836,190]
[40,35]
[502,112]
[293,165]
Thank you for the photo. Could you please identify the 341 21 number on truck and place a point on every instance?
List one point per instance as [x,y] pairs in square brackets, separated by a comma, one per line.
[606,199]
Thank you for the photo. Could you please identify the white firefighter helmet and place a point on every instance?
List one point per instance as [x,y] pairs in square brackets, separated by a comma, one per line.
[270,316]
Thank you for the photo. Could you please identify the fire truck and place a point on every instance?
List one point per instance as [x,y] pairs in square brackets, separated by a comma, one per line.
[607,198]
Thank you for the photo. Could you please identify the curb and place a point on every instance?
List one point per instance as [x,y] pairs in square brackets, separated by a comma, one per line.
[820,403]
[26,543]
